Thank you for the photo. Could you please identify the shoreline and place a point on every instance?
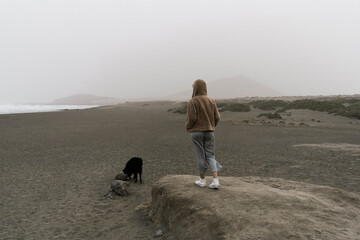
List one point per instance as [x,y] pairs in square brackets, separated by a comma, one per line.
[40,108]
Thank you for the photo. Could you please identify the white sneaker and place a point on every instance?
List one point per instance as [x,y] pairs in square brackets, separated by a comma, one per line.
[201,182]
[215,184]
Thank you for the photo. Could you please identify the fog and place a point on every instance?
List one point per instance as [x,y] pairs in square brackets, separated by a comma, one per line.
[139,49]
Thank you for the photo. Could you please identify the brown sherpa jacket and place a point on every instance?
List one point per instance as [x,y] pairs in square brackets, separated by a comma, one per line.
[202,112]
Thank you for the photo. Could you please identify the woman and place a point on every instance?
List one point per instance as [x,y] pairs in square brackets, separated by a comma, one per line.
[202,118]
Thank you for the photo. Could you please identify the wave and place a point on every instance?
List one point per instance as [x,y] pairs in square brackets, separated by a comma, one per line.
[31,108]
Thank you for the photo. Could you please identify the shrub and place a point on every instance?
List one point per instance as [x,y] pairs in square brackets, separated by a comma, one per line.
[348,100]
[352,111]
[315,105]
[268,104]
[233,107]
[182,109]
[270,115]
[335,106]
[237,107]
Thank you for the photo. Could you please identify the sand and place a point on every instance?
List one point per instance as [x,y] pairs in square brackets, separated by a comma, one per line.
[56,167]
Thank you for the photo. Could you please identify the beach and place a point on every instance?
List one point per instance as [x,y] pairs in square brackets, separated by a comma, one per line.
[56,167]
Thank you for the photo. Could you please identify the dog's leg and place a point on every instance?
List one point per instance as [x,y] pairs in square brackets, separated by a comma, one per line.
[135,176]
[140,172]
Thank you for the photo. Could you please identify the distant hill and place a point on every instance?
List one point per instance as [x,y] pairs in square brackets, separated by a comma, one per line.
[234,87]
[86,99]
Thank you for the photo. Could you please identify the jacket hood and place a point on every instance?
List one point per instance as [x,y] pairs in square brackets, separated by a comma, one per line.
[199,88]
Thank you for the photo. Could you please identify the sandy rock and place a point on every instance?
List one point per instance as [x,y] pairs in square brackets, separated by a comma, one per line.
[254,208]
[122,177]
[119,187]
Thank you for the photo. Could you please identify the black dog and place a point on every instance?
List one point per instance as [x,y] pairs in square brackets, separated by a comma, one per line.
[134,166]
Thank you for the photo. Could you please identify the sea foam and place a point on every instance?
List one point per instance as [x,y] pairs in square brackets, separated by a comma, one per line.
[31,108]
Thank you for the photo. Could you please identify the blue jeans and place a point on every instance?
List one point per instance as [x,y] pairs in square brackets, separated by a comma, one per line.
[204,143]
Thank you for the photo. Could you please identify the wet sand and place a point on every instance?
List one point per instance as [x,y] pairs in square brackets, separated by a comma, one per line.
[56,167]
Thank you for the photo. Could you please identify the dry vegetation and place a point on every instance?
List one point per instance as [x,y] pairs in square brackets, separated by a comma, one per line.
[343,106]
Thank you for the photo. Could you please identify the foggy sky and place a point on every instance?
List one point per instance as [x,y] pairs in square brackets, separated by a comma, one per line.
[130,49]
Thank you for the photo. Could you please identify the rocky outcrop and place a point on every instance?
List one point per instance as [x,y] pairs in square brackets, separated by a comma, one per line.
[120,187]
[254,208]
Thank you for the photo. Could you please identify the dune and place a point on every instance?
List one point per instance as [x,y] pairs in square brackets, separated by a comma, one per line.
[254,208]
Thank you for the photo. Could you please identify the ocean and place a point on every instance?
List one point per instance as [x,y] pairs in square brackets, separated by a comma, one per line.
[32,108]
